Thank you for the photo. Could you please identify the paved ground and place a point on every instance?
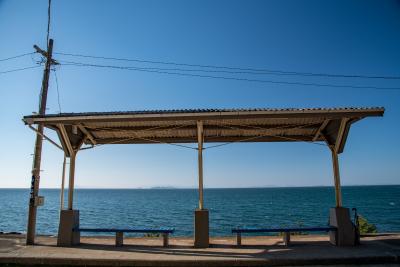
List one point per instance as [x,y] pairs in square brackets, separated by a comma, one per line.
[256,251]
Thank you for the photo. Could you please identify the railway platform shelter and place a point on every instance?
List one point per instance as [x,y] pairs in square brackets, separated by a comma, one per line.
[212,127]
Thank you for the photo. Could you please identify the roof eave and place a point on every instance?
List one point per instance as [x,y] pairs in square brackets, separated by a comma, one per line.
[334,113]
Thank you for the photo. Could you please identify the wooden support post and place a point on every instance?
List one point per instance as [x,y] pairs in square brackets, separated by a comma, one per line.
[63,183]
[335,150]
[31,228]
[200,162]
[336,173]
[72,156]
[71,180]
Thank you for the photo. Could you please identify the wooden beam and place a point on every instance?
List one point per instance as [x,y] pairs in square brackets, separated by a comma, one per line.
[214,125]
[320,129]
[66,140]
[87,134]
[340,135]
[208,139]
[45,137]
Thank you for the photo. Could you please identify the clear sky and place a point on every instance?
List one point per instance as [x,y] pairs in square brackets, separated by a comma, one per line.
[340,37]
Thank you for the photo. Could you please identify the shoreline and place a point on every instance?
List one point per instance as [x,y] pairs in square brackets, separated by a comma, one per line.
[143,236]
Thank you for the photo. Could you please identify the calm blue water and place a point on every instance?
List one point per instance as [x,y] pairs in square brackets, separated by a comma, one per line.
[267,207]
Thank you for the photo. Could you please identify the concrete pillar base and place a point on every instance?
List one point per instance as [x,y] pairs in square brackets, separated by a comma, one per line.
[201,229]
[69,219]
[345,235]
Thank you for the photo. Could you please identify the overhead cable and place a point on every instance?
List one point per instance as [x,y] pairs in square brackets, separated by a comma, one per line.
[169,72]
[20,69]
[243,70]
[18,56]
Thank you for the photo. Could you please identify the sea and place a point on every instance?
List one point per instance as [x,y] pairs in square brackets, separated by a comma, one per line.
[229,208]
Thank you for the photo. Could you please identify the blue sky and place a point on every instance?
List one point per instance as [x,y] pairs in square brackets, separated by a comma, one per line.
[341,37]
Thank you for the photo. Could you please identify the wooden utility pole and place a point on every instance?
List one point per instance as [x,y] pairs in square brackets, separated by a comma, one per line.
[33,200]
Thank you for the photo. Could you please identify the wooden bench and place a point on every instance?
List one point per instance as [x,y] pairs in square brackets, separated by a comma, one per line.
[286,232]
[119,233]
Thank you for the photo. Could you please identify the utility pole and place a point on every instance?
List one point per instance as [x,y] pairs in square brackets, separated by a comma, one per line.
[33,200]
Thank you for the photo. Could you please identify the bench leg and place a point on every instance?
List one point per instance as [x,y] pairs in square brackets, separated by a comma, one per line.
[286,238]
[119,239]
[238,239]
[165,240]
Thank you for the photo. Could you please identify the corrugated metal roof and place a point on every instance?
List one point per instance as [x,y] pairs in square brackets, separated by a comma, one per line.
[207,110]
[220,125]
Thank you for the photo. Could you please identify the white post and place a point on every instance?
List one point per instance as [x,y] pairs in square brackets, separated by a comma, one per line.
[336,173]
[62,184]
[200,162]
[71,180]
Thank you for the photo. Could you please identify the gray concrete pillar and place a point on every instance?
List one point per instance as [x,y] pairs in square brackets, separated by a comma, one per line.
[69,219]
[345,235]
[201,228]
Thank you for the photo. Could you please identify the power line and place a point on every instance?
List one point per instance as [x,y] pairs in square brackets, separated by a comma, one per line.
[18,56]
[20,69]
[243,70]
[169,72]
[202,70]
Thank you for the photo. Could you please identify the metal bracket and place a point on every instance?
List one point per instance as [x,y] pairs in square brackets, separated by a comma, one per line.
[39,201]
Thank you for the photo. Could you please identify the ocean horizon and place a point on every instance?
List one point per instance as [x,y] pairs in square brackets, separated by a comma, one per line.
[176,187]
[229,207]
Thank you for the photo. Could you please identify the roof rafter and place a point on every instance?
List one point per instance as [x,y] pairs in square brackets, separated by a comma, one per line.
[87,134]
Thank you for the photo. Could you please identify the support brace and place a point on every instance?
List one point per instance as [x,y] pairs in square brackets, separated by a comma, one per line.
[45,137]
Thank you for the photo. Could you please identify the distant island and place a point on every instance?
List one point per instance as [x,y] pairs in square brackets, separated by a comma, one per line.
[163,187]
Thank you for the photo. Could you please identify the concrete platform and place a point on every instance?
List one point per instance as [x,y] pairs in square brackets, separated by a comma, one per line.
[383,250]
